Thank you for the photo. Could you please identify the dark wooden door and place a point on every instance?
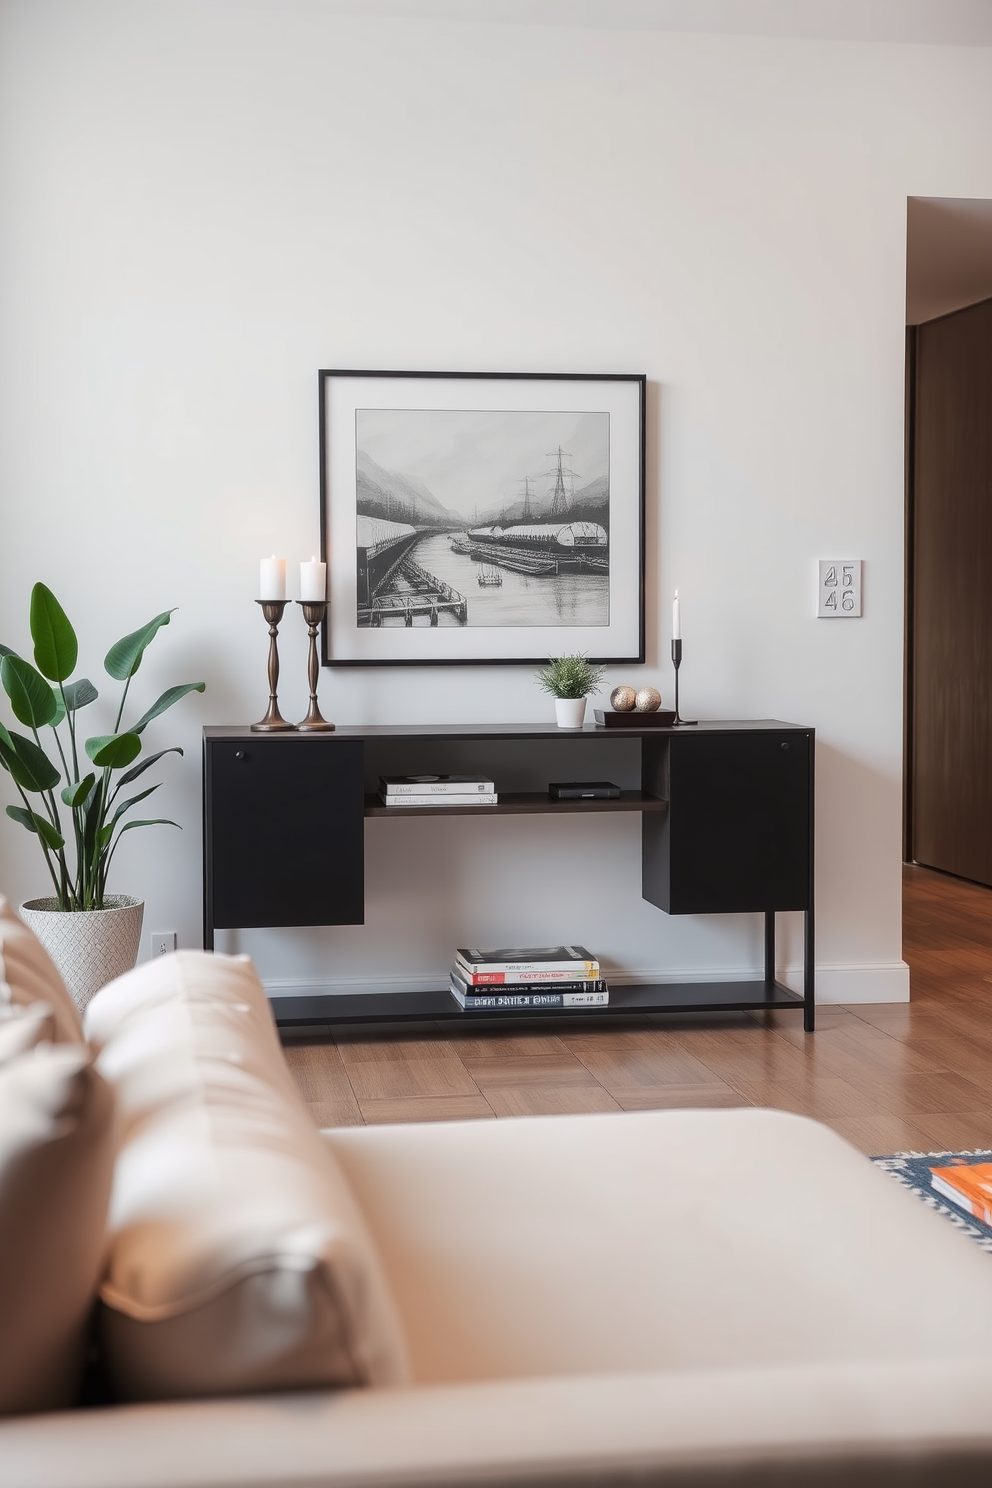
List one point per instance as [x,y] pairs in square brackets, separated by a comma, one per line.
[950,598]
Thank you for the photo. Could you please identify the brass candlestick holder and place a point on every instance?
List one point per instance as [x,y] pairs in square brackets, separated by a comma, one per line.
[313,611]
[273,722]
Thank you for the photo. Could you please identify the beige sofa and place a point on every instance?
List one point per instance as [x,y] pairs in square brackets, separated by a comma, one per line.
[672,1298]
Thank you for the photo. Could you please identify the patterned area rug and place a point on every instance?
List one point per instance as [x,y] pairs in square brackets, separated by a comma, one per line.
[914,1171]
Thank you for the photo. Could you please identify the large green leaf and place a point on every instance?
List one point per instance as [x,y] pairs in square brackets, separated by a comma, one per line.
[166,701]
[39,825]
[6,651]
[55,644]
[30,766]
[132,801]
[48,833]
[26,818]
[159,821]
[75,795]
[113,751]
[31,698]
[152,759]
[78,694]
[124,657]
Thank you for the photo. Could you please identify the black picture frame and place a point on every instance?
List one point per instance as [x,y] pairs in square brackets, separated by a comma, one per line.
[435,556]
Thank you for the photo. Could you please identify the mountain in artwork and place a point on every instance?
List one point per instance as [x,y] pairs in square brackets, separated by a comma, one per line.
[398,498]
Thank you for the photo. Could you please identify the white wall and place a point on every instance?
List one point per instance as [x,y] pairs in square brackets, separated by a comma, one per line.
[205,203]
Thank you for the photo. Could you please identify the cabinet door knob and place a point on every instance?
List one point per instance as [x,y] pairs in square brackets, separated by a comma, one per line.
[239,754]
[784,744]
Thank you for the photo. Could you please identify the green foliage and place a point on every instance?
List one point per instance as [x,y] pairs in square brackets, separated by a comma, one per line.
[570,677]
[114,750]
[31,698]
[94,824]
[55,644]
[124,657]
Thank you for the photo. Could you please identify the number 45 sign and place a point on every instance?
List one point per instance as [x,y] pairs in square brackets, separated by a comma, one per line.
[840,589]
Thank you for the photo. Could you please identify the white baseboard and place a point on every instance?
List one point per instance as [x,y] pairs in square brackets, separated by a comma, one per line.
[880,982]
[886,981]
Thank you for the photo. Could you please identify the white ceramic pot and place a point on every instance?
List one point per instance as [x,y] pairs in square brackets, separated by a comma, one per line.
[570,712]
[89,946]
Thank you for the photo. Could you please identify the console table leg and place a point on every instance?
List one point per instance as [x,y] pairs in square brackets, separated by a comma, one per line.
[769,945]
[808,964]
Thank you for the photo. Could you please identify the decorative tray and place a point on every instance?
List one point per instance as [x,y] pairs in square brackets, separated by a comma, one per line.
[662,719]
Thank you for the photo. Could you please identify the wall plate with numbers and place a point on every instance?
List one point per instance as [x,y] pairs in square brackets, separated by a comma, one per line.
[840,589]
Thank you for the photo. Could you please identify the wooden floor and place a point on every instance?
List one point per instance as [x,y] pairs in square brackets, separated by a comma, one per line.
[888,1077]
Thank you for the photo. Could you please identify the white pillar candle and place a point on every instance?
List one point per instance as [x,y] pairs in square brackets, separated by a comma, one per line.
[272,578]
[313,580]
[676,619]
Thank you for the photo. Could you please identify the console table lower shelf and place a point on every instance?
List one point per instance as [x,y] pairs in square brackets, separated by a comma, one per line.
[439,1005]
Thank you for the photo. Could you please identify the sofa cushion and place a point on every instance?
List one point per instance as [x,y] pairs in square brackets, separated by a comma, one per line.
[56,1161]
[238,1258]
[656,1240]
[27,975]
[24,1028]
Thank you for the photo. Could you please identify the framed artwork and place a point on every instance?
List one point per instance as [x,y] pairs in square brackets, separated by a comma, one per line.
[471,518]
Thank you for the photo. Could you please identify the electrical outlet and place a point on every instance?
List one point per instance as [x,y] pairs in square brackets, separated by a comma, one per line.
[840,589]
[163,941]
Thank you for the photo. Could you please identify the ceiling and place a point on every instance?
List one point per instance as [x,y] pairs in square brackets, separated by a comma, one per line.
[931,22]
[948,255]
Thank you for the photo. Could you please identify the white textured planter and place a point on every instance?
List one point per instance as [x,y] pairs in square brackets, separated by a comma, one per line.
[570,712]
[89,946]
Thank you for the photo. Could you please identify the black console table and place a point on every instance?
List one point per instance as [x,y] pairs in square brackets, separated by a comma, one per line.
[726,826]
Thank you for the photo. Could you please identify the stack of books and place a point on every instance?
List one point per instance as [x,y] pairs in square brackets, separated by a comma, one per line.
[436,790]
[969,1186]
[535,978]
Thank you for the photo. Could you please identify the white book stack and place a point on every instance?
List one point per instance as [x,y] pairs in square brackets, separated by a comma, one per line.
[436,790]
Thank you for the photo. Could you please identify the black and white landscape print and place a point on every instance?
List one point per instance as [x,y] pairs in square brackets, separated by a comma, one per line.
[487,518]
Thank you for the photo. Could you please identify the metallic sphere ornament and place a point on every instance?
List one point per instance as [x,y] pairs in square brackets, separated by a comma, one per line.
[622,699]
[648,700]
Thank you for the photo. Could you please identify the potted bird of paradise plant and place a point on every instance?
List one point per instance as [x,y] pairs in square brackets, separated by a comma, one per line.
[92,935]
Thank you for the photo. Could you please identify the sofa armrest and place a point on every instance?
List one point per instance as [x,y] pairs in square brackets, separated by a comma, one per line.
[921,1424]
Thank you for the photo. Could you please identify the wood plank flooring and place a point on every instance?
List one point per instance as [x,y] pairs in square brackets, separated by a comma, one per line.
[887,1077]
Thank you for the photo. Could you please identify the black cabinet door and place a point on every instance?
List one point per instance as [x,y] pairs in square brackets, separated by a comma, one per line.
[284,832]
[737,834]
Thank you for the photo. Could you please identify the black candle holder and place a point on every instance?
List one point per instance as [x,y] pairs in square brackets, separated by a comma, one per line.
[313,611]
[678,721]
[273,722]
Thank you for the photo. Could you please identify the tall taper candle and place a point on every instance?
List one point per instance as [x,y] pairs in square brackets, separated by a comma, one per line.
[272,578]
[676,619]
[313,581]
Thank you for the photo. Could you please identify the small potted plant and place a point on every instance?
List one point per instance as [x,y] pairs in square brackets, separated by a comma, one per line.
[92,936]
[570,680]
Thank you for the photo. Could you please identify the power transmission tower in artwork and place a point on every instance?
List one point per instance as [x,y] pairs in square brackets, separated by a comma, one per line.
[527,514]
[562,498]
